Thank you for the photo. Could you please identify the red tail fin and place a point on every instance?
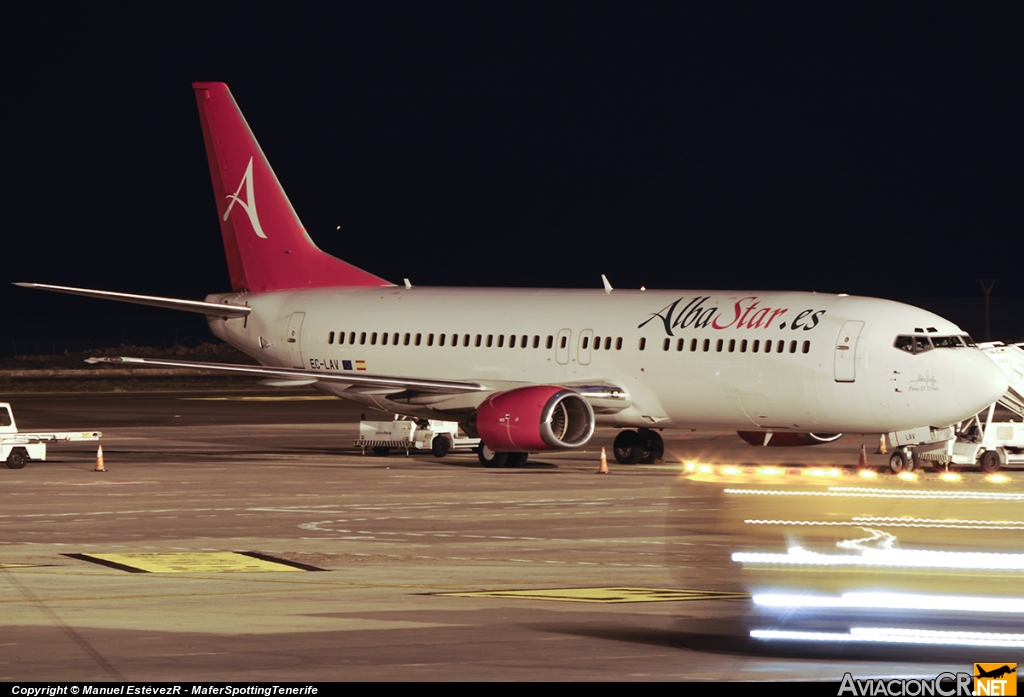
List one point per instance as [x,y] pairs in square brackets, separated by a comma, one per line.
[266,245]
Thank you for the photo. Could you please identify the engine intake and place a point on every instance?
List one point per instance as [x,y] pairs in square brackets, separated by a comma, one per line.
[531,419]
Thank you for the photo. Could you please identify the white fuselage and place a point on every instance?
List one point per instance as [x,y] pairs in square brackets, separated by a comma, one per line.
[832,365]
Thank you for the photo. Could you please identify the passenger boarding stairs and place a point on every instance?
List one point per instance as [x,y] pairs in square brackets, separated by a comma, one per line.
[1009,357]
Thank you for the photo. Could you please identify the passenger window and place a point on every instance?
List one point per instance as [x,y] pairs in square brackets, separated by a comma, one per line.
[807,347]
[536,341]
[768,346]
[405,339]
[362,338]
[681,344]
[490,340]
[341,338]
[564,342]
[607,343]
[394,339]
[384,339]
[665,345]
[512,341]
[718,346]
[551,341]
[743,346]
[430,339]
[330,338]
[586,341]
[352,338]
[732,345]
[792,346]
[440,339]
[693,345]
[373,339]
[501,340]
[597,343]
[780,346]
[479,339]
[419,337]
[707,345]
[618,344]
[756,346]
[524,341]
[465,340]
[643,343]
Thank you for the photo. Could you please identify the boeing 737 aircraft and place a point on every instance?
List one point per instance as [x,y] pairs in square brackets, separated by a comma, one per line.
[536,370]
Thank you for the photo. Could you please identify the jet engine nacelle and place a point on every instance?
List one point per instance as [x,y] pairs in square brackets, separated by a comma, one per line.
[786,439]
[531,419]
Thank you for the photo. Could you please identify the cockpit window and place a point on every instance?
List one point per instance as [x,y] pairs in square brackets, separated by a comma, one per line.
[920,344]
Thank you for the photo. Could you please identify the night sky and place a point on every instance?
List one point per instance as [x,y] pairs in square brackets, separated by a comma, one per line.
[873,149]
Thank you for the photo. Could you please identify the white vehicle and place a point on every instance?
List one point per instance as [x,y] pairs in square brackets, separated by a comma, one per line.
[980,440]
[439,437]
[18,448]
[530,370]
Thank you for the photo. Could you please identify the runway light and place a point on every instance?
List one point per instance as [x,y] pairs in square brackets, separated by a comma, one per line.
[898,636]
[997,478]
[706,469]
[690,467]
[815,472]
[770,471]
[950,477]
[868,474]
[892,601]
[907,476]
[731,470]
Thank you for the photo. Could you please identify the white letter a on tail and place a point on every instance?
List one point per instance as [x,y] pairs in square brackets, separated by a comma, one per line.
[250,201]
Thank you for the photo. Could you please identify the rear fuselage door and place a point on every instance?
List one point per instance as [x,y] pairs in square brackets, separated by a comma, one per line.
[294,339]
[846,351]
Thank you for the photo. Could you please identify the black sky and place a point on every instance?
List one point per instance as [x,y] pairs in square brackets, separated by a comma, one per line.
[865,148]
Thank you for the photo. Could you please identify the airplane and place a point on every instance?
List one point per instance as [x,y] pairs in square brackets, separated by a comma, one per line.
[535,370]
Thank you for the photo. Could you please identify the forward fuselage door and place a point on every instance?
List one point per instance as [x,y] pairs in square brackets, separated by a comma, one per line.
[294,338]
[846,351]
[562,346]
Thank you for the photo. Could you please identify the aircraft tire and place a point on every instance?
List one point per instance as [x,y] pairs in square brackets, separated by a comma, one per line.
[654,448]
[489,458]
[440,446]
[516,459]
[899,461]
[627,448]
[989,461]
[17,459]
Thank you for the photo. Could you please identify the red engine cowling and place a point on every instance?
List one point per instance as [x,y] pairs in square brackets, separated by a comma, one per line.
[530,419]
[786,439]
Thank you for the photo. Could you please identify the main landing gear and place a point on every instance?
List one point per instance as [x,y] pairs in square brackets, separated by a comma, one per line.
[489,458]
[641,446]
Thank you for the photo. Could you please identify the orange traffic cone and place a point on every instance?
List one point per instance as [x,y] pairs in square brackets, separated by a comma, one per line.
[863,456]
[99,460]
[603,469]
[881,445]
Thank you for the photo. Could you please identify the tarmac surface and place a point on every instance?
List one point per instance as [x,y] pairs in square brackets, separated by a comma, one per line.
[240,537]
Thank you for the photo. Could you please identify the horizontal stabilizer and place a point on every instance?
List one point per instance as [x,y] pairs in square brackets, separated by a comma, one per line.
[380,381]
[203,308]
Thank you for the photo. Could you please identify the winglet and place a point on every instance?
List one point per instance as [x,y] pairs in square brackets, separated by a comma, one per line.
[607,284]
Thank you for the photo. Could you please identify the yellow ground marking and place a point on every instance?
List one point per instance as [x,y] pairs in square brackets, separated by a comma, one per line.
[190,562]
[282,398]
[13,565]
[605,595]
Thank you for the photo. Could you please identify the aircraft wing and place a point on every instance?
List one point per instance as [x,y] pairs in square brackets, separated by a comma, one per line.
[307,376]
[203,308]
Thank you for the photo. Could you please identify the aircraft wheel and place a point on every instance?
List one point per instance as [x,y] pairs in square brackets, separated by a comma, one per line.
[900,462]
[489,458]
[17,459]
[989,461]
[516,459]
[440,446]
[653,447]
[381,450]
[627,448]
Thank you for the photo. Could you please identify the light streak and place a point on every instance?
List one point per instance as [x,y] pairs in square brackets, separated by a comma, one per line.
[898,636]
[893,601]
[901,522]
[891,558]
[879,493]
